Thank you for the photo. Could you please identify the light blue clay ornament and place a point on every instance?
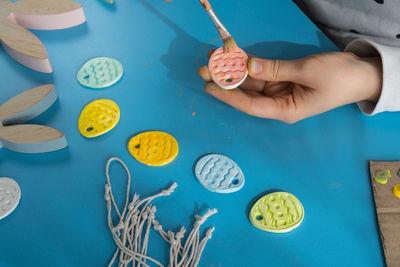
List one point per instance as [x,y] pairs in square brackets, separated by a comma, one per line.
[100,72]
[218,173]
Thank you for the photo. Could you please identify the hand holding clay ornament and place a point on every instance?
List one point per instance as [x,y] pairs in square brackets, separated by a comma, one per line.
[228,64]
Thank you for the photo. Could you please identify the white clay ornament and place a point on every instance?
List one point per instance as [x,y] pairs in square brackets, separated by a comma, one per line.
[10,194]
[17,16]
[228,64]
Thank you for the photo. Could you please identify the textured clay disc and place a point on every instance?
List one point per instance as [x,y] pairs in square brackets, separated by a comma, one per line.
[100,72]
[278,212]
[228,70]
[10,194]
[98,117]
[153,148]
[218,173]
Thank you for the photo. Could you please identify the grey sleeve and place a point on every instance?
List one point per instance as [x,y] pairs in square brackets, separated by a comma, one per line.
[366,28]
[389,99]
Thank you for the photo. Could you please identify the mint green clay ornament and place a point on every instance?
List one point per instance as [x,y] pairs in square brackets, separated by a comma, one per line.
[100,72]
[278,212]
[382,177]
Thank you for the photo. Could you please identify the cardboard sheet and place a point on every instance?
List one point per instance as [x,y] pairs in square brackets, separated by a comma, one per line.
[388,210]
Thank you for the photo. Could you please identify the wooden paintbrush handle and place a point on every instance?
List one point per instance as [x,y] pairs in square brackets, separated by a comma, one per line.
[205,4]
[217,22]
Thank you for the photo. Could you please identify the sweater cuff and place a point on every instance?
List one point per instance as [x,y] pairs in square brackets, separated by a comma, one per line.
[389,99]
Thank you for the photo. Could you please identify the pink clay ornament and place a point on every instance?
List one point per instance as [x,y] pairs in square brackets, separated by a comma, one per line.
[228,64]
[228,69]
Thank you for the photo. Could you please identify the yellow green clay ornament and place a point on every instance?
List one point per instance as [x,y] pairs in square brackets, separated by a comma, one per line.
[278,212]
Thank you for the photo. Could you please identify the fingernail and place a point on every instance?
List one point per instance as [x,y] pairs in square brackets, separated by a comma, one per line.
[256,67]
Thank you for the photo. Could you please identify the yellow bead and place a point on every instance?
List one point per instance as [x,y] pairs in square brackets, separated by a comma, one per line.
[98,117]
[153,148]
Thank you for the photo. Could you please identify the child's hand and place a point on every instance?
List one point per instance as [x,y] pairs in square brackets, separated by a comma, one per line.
[293,90]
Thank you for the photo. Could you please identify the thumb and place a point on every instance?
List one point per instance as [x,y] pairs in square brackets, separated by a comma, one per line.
[274,70]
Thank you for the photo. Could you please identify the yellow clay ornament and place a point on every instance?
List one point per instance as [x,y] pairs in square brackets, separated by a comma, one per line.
[153,148]
[98,117]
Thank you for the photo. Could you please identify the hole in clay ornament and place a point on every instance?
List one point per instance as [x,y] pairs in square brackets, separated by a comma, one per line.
[89,129]
[259,217]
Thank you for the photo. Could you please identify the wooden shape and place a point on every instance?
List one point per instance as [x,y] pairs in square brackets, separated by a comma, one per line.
[28,138]
[47,14]
[22,45]
[387,210]
[27,105]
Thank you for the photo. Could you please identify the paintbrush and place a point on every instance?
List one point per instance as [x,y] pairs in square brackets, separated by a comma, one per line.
[229,42]
[228,64]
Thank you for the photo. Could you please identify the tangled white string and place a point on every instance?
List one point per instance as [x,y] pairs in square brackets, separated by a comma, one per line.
[131,233]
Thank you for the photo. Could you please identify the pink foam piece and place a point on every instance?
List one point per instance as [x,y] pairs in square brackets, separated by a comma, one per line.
[49,22]
[41,65]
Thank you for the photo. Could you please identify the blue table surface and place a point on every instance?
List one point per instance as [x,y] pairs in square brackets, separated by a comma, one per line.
[61,219]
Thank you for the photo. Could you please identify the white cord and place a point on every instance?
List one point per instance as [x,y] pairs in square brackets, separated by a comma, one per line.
[131,233]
